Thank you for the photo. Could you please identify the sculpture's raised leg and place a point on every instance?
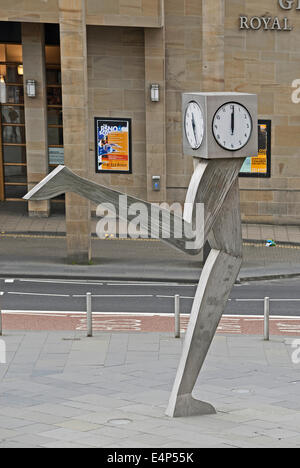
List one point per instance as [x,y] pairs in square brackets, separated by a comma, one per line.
[217,279]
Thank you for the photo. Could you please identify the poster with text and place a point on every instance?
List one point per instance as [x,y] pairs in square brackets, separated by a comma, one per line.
[113,145]
[260,165]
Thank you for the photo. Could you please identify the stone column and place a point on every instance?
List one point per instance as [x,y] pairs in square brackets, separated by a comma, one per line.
[35,112]
[213,27]
[73,44]
[155,112]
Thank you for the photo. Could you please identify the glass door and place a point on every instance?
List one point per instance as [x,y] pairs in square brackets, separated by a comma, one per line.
[13,172]
[2,193]
[55,111]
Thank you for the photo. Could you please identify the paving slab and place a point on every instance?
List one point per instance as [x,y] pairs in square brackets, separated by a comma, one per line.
[93,402]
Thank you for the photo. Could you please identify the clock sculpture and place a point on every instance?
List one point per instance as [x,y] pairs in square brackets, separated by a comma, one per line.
[219,132]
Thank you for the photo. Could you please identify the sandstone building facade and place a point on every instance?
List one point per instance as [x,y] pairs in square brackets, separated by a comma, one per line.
[99,58]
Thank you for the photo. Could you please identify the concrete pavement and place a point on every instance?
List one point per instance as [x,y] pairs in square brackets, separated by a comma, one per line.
[45,257]
[14,219]
[61,389]
[35,247]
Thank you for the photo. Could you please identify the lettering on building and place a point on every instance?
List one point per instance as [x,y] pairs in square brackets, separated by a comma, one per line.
[270,23]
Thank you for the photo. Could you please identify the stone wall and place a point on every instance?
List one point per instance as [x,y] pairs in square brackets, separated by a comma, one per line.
[199,48]
[38,11]
[142,13]
[183,24]
[116,80]
[266,63]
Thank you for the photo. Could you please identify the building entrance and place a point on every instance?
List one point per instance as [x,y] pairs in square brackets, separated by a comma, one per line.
[13,165]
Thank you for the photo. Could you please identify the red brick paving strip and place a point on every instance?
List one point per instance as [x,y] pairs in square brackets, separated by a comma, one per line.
[135,323]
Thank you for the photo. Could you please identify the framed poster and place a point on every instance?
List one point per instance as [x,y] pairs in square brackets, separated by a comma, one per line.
[260,165]
[113,145]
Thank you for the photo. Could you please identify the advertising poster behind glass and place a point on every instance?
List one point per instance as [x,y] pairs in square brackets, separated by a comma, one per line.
[260,165]
[113,145]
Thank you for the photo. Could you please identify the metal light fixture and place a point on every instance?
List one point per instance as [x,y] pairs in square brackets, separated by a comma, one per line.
[31,88]
[20,70]
[154,88]
[2,90]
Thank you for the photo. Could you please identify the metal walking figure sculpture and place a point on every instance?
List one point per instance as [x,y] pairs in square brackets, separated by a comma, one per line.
[219,132]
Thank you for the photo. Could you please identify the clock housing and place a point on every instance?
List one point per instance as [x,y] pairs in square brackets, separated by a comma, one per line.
[210,104]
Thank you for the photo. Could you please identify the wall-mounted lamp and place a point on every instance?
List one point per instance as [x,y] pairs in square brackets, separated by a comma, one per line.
[31,88]
[20,70]
[2,90]
[154,90]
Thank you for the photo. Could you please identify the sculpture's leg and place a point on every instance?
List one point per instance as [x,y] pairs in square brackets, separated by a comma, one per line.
[217,279]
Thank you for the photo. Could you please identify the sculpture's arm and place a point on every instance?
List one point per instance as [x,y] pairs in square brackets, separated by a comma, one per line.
[63,180]
[210,185]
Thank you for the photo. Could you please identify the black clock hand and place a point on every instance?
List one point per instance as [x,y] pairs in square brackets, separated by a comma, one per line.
[194,128]
[232,121]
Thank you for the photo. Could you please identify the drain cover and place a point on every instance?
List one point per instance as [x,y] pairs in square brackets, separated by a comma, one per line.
[119,422]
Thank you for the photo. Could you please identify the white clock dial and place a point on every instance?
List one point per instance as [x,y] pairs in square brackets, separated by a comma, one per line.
[194,125]
[232,126]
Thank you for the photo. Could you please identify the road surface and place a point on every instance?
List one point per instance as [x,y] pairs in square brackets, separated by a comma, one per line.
[53,304]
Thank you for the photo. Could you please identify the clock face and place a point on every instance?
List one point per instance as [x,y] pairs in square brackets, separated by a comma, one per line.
[232,126]
[194,125]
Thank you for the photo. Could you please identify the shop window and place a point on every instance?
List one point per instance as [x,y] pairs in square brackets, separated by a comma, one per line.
[15,192]
[55,113]
[54,96]
[10,32]
[13,134]
[52,54]
[13,173]
[13,165]
[55,116]
[52,34]
[55,136]
[14,154]
[12,115]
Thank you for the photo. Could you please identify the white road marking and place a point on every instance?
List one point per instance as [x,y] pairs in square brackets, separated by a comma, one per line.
[138,295]
[248,300]
[113,324]
[76,313]
[172,297]
[142,314]
[288,327]
[170,285]
[271,300]
[230,325]
[9,281]
[285,300]
[84,283]
[111,283]
[114,295]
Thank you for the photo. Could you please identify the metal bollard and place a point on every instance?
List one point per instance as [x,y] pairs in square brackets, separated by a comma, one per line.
[267,319]
[177,316]
[89,315]
[1,294]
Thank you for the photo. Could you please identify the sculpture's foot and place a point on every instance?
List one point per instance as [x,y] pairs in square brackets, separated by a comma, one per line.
[186,405]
